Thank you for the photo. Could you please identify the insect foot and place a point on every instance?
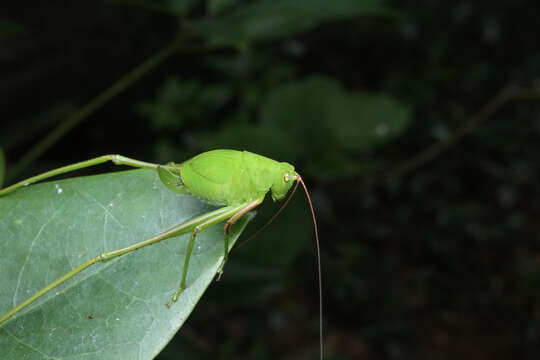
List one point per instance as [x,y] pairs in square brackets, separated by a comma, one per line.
[220,271]
[175,297]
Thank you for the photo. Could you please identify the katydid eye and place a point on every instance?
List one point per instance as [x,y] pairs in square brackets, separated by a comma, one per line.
[286,177]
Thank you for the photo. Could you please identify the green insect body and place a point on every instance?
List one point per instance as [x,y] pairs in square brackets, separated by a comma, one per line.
[230,177]
[237,181]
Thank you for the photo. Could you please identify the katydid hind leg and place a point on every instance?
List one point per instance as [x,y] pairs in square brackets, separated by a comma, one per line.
[217,215]
[115,158]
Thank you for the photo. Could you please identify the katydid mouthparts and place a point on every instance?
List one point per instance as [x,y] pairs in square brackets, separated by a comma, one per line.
[235,181]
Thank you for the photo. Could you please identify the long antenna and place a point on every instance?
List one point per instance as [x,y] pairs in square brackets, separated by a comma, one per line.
[318,248]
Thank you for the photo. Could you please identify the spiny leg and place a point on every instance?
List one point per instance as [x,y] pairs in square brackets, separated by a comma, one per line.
[116,159]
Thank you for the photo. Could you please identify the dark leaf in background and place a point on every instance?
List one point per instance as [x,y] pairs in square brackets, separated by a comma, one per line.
[273,19]
[182,6]
[9,27]
[217,6]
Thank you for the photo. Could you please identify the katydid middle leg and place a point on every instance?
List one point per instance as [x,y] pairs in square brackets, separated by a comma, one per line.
[235,212]
[226,227]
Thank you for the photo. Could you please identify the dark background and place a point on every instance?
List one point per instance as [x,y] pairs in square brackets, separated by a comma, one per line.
[415,125]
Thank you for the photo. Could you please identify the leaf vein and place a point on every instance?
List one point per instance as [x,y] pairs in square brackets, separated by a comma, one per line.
[19,277]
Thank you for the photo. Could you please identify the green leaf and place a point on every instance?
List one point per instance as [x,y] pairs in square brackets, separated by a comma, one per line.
[114,310]
[274,19]
[350,121]
[2,168]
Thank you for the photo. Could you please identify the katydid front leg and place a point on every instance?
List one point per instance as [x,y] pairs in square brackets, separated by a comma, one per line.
[116,159]
[250,206]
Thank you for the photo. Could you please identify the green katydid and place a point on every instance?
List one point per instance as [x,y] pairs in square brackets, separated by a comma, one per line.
[237,181]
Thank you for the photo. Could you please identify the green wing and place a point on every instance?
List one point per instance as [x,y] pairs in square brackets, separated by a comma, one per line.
[217,166]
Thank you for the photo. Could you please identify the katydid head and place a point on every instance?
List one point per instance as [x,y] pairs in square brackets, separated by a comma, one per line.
[284,180]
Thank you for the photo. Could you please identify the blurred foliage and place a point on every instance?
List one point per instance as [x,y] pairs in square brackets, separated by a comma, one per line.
[2,167]
[439,263]
[273,19]
[9,27]
[341,122]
